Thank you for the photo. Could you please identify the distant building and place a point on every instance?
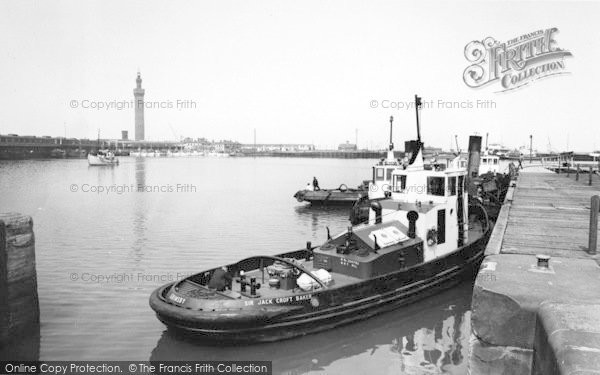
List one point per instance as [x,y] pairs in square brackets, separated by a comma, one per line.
[204,145]
[124,135]
[347,147]
[432,150]
[227,146]
[275,147]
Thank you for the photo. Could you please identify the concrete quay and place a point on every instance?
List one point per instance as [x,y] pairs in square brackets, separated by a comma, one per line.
[528,318]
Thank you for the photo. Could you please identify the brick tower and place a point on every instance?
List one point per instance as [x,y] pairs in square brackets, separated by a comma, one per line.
[138,93]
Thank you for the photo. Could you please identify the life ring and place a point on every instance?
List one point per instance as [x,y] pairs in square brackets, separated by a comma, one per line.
[431,237]
[343,188]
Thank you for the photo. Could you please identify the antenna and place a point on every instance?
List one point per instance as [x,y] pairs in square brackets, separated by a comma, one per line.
[456,140]
[391,142]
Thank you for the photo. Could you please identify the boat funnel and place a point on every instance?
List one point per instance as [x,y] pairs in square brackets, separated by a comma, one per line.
[474,155]
[411,149]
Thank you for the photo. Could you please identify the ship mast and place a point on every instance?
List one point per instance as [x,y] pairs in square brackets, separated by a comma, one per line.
[391,142]
[417,108]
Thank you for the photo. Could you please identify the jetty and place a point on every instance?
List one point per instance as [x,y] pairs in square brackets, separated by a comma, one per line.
[536,299]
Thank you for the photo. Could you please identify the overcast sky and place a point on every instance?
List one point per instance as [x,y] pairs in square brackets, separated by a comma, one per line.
[298,72]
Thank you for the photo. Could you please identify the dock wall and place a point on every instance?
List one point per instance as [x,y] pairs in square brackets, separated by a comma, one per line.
[19,307]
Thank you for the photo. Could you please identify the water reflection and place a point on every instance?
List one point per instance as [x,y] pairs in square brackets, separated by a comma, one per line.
[430,336]
[336,217]
[139,210]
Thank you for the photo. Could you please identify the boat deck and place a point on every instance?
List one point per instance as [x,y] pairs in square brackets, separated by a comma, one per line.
[195,290]
[266,291]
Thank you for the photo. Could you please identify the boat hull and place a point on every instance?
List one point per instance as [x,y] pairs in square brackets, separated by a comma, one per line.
[99,161]
[325,308]
[330,197]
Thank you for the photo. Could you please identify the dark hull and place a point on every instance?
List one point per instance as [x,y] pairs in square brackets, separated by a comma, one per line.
[337,306]
[330,197]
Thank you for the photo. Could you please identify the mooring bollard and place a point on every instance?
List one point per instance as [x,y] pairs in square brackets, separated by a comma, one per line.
[594,209]
[591,174]
[577,173]
[19,307]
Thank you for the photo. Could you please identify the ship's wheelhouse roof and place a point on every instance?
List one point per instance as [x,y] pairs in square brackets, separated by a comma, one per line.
[389,233]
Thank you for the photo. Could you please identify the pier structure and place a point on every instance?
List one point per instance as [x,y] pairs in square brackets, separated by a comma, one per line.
[14,146]
[536,299]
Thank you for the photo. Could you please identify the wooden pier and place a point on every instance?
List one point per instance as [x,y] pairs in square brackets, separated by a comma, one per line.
[536,304]
[546,213]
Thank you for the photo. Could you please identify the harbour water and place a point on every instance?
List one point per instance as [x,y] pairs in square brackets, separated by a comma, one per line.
[107,237]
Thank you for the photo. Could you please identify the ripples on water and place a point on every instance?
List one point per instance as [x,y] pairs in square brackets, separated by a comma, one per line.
[125,245]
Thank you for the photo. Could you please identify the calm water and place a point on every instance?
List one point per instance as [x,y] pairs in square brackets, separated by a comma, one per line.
[100,255]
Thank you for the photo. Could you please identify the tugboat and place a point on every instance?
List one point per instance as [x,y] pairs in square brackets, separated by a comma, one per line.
[416,243]
[378,187]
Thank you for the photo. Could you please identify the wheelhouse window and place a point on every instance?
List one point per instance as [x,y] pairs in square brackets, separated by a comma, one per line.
[435,186]
[399,183]
[379,174]
[495,161]
[451,186]
[388,175]
[461,182]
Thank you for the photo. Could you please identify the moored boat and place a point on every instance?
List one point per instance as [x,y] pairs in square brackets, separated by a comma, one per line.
[417,242]
[343,195]
[102,158]
[381,183]
[58,153]
[378,187]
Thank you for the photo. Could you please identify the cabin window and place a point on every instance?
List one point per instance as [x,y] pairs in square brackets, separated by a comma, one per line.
[379,174]
[441,226]
[484,160]
[461,182]
[399,183]
[435,186]
[495,161]
[451,186]
[389,174]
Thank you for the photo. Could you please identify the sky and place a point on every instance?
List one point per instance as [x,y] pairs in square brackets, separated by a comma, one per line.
[298,72]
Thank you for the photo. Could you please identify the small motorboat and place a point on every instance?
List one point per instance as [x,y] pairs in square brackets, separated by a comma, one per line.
[102,158]
[416,242]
